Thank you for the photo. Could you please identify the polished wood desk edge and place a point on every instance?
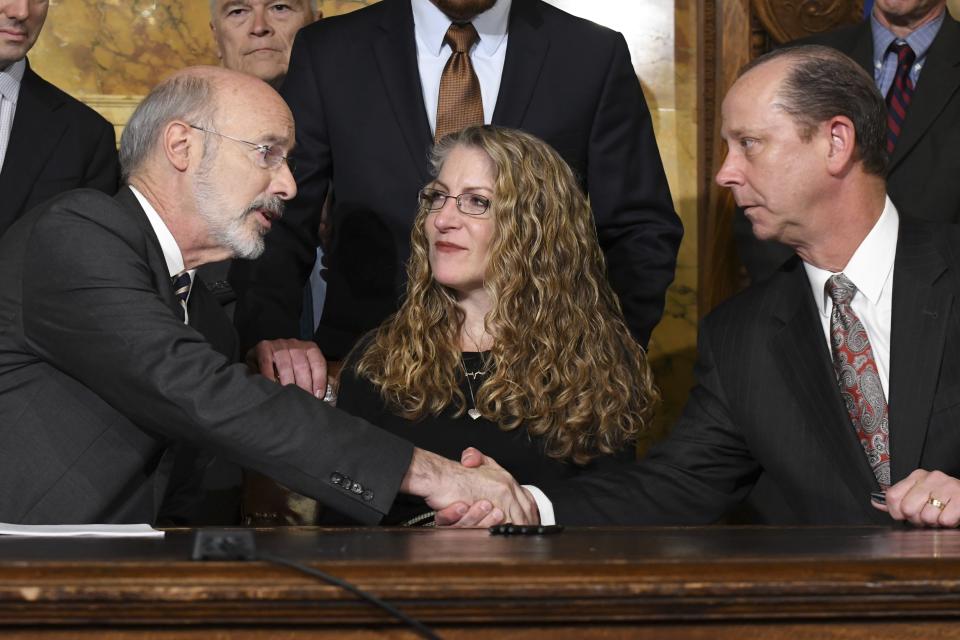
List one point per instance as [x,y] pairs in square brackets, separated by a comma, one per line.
[553,580]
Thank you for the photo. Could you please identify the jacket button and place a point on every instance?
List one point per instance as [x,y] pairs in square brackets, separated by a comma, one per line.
[367,495]
[336,478]
[356,488]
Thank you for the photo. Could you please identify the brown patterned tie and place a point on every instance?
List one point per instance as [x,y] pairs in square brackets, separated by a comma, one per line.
[859,380]
[460,104]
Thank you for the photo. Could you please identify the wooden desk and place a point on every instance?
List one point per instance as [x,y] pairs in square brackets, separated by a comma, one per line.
[662,583]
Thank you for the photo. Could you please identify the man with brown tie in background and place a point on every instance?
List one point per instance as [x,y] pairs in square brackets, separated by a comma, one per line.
[49,141]
[372,89]
[911,48]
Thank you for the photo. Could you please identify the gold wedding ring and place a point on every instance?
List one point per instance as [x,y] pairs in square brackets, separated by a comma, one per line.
[937,504]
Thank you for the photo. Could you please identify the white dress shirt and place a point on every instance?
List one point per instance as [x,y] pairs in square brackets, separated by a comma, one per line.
[171,251]
[10,79]
[871,271]
[430,26]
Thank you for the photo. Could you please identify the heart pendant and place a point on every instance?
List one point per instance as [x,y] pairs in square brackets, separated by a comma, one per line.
[473,413]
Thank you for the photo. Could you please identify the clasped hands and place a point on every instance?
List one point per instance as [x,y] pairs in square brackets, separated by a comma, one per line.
[478,492]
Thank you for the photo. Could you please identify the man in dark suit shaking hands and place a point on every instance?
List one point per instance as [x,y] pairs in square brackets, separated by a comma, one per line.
[836,383]
[366,90]
[105,364]
[49,142]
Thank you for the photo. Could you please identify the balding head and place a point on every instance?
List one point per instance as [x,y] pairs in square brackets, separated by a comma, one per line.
[191,95]
[817,83]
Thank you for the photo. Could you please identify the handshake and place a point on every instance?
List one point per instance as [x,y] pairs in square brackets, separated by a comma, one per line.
[478,492]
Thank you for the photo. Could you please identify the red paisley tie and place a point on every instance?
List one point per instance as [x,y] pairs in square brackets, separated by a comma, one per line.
[859,381]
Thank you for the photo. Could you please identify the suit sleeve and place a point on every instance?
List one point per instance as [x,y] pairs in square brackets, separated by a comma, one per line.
[699,473]
[270,288]
[637,225]
[92,309]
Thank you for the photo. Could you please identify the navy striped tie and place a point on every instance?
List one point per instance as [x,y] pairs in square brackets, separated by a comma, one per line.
[898,99]
[181,289]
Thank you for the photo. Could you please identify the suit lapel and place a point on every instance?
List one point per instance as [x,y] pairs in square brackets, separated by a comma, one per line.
[396,54]
[526,51]
[939,80]
[802,354]
[155,259]
[922,303]
[33,138]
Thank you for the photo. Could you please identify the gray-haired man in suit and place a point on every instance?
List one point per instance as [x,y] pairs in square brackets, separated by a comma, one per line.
[105,364]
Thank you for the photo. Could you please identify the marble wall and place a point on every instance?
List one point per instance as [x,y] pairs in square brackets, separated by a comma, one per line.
[110,52]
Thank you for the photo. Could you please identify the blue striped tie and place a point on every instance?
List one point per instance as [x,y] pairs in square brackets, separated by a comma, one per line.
[898,99]
[181,289]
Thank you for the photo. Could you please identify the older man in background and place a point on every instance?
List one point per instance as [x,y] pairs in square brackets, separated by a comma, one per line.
[255,36]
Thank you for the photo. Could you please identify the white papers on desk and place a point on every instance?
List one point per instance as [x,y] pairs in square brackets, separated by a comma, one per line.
[80,530]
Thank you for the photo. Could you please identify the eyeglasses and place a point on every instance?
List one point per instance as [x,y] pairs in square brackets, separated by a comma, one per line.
[269,156]
[471,204]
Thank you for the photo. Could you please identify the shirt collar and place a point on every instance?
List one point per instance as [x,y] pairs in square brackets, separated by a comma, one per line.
[171,252]
[919,39]
[10,79]
[431,24]
[871,264]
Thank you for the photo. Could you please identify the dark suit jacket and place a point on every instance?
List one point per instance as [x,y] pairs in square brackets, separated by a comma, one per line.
[57,143]
[922,179]
[354,89]
[767,415]
[99,379]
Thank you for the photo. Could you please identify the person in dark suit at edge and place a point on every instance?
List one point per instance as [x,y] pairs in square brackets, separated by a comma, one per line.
[105,363]
[365,90]
[49,141]
[924,158]
[835,384]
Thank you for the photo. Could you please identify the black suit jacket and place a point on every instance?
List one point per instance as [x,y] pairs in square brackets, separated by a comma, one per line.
[922,179]
[99,380]
[767,414]
[354,89]
[57,143]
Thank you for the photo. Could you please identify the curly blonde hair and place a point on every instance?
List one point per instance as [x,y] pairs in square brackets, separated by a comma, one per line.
[564,364]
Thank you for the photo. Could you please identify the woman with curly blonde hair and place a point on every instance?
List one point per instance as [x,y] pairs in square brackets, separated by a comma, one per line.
[509,338]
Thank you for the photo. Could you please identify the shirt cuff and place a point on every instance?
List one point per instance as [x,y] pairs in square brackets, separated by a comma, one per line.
[543,505]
